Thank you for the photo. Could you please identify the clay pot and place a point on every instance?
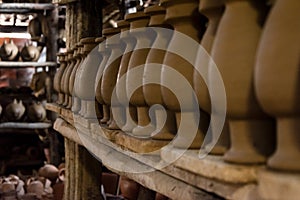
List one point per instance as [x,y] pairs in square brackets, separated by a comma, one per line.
[213,10]
[49,171]
[86,76]
[130,42]
[15,110]
[110,73]
[30,53]
[128,188]
[36,187]
[238,34]
[35,27]
[66,77]
[138,22]
[58,77]
[152,92]
[277,80]
[9,51]
[184,17]
[103,110]
[37,112]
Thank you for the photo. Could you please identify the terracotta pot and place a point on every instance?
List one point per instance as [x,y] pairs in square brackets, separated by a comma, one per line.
[37,112]
[138,21]
[86,76]
[103,110]
[15,110]
[66,76]
[110,73]
[30,53]
[35,27]
[238,34]
[49,171]
[277,80]
[9,51]
[213,10]
[130,111]
[184,18]
[152,92]
[36,187]
[128,188]
[58,77]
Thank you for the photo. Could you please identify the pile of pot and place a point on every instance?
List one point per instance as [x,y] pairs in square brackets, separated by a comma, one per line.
[9,51]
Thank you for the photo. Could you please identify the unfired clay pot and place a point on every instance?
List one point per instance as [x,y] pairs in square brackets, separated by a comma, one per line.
[110,73]
[15,110]
[66,75]
[251,130]
[213,10]
[9,51]
[102,110]
[152,92]
[58,77]
[30,53]
[185,18]
[277,80]
[37,112]
[130,111]
[86,75]
[138,58]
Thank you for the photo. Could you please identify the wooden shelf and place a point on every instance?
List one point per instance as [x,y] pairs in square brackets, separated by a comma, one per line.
[25,125]
[7,64]
[25,7]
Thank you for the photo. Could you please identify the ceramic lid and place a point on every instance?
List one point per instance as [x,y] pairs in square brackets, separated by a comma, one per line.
[87,40]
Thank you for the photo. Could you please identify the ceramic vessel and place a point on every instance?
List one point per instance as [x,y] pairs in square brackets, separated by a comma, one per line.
[49,171]
[238,34]
[15,110]
[37,112]
[128,188]
[30,53]
[138,22]
[213,10]
[152,92]
[9,51]
[130,111]
[277,80]
[185,19]
[110,74]
[35,27]
[58,77]
[86,76]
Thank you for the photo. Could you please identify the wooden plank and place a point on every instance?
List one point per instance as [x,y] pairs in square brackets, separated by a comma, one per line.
[67,130]
[53,107]
[64,1]
[25,7]
[25,125]
[7,64]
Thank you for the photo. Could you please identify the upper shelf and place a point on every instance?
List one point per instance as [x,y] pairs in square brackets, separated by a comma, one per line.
[5,64]
[25,7]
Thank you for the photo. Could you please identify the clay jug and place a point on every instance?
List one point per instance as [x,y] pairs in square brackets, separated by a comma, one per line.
[66,77]
[58,77]
[277,80]
[251,130]
[144,39]
[102,110]
[185,19]
[152,92]
[86,76]
[15,110]
[213,10]
[30,53]
[37,112]
[110,73]
[130,111]
[129,189]
[9,51]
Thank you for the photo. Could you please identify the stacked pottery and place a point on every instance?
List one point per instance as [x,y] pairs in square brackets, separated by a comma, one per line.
[65,77]
[58,77]
[152,92]
[213,10]
[185,19]
[86,75]
[102,110]
[134,77]
[238,34]
[130,111]
[110,73]
[277,80]
[9,51]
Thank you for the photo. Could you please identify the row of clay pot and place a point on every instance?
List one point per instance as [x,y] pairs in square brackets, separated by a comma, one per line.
[10,52]
[16,111]
[254,46]
[47,185]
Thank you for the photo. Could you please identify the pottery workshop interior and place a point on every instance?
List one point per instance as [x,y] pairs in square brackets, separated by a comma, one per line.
[149,99]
